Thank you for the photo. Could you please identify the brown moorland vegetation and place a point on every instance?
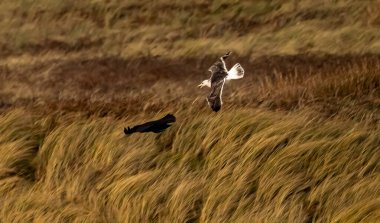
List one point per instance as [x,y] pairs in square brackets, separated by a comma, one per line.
[297,140]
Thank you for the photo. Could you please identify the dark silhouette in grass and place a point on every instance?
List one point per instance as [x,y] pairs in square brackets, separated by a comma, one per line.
[156,126]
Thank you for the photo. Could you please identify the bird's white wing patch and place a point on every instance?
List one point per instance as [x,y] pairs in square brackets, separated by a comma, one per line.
[236,72]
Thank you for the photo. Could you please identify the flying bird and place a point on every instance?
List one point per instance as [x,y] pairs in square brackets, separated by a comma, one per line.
[156,126]
[219,75]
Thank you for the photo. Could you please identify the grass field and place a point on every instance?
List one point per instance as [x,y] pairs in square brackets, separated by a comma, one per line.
[297,140]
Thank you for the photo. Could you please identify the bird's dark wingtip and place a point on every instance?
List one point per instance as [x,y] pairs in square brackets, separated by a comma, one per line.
[216,109]
[225,56]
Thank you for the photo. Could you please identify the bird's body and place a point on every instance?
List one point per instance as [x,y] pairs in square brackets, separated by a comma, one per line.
[219,75]
[156,126]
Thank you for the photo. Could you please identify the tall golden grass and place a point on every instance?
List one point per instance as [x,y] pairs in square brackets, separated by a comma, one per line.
[236,166]
[193,28]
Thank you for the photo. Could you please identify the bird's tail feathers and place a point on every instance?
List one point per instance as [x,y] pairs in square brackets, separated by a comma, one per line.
[236,72]
[128,130]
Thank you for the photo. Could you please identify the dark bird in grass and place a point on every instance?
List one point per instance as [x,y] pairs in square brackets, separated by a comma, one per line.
[219,75]
[156,126]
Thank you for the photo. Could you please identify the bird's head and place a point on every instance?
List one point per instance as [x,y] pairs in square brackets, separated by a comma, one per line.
[205,83]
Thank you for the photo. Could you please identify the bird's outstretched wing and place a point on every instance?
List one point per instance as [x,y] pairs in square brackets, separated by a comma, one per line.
[218,69]
[215,97]
[226,55]
[236,72]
